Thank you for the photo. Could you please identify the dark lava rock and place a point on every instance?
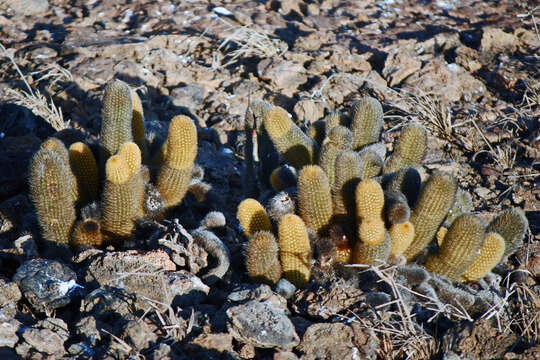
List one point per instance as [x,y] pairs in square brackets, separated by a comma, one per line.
[14,161]
[46,284]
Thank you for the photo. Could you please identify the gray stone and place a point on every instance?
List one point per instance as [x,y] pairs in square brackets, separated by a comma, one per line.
[190,96]
[285,75]
[285,288]
[308,111]
[8,331]
[149,275]
[262,324]
[338,341]
[26,7]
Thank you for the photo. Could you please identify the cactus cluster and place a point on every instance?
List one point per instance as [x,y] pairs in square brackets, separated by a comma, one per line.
[268,258]
[64,181]
[365,207]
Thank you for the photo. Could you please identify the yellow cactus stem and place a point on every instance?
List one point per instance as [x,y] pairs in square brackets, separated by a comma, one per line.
[372,254]
[511,224]
[121,198]
[131,153]
[116,122]
[175,174]
[372,163]
[409,150]
[294,250]
[340,138]
[84,166]
[56,145]
[435,200]
[367,122]
[441,233]
[314,199]
[50,190]
[347,174]
[252,217]
[262,258]
[369,197]
[295,147]
[460,247]
[335,118]
[371,231]
[137,124]
[491,253]
[87,233]
[402,236]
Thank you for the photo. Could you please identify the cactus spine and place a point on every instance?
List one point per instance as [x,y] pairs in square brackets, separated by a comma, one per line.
[50,189]
[367,122]
[459,248]
[372,254]
[491,253]
[435,200]
[175,173]
[369,198]
[348,173]
[84,166]
[409,150]
[137,125]
[340,138]
[116,126]
[252,217]
[131,154]
[56,145]
[87,233]
[294,250]
[372,163]
[295,147]
[121,203]
[314,199]
[402,236]
[511,224]
[262,259]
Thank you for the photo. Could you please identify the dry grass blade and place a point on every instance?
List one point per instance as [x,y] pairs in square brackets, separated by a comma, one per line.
[36,101]
[246,42]
[174,326]
[401,335]
[123,346]
[526,316]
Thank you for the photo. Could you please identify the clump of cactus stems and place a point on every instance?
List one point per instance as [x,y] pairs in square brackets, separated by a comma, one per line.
[63,182]
[364,207]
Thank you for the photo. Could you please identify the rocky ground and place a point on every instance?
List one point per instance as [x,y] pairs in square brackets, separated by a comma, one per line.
[468,70]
